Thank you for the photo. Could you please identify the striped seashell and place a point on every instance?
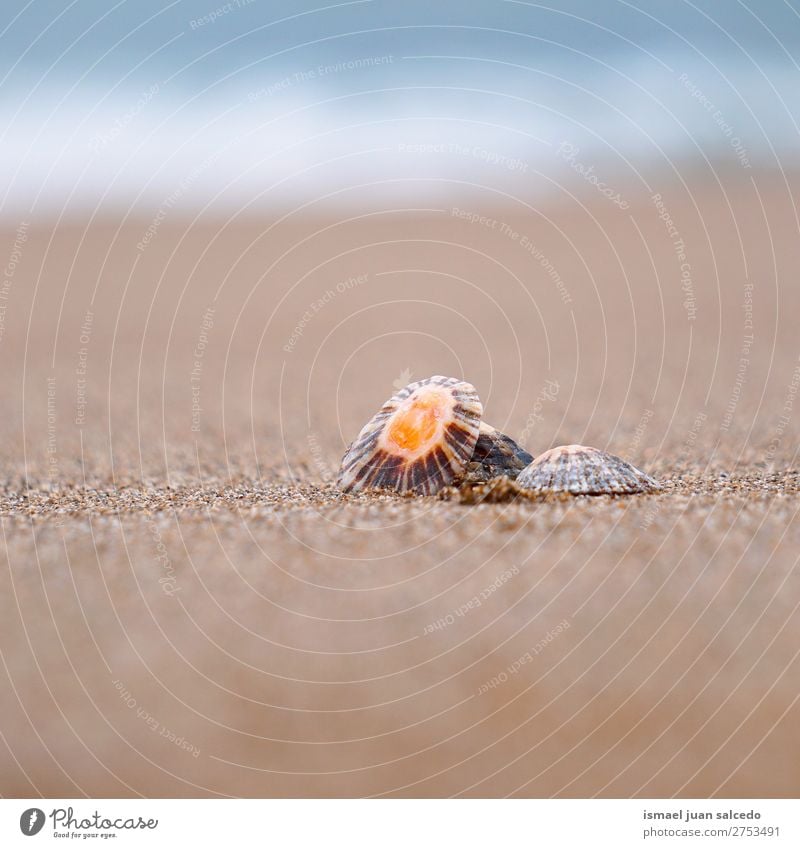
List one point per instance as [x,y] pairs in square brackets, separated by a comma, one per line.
[579,470]
[495,455]
[420,441]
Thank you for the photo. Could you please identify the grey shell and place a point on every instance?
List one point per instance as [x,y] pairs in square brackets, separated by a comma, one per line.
[495,455]
[579,470]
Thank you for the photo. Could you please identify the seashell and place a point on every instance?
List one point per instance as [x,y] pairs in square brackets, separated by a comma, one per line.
[420,441]
[579,470]
[495,455]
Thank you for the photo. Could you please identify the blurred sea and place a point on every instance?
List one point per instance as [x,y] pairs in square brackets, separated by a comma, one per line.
[241,105]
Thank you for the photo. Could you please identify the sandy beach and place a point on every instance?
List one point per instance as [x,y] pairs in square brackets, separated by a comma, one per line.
[190,607]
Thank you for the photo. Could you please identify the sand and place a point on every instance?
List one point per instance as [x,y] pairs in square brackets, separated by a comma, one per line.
[189,607]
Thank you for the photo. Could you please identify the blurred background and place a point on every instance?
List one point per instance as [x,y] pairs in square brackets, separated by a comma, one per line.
[581,192]
[253,105]
[230,231]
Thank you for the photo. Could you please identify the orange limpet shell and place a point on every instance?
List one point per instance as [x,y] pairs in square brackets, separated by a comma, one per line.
[420,441]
